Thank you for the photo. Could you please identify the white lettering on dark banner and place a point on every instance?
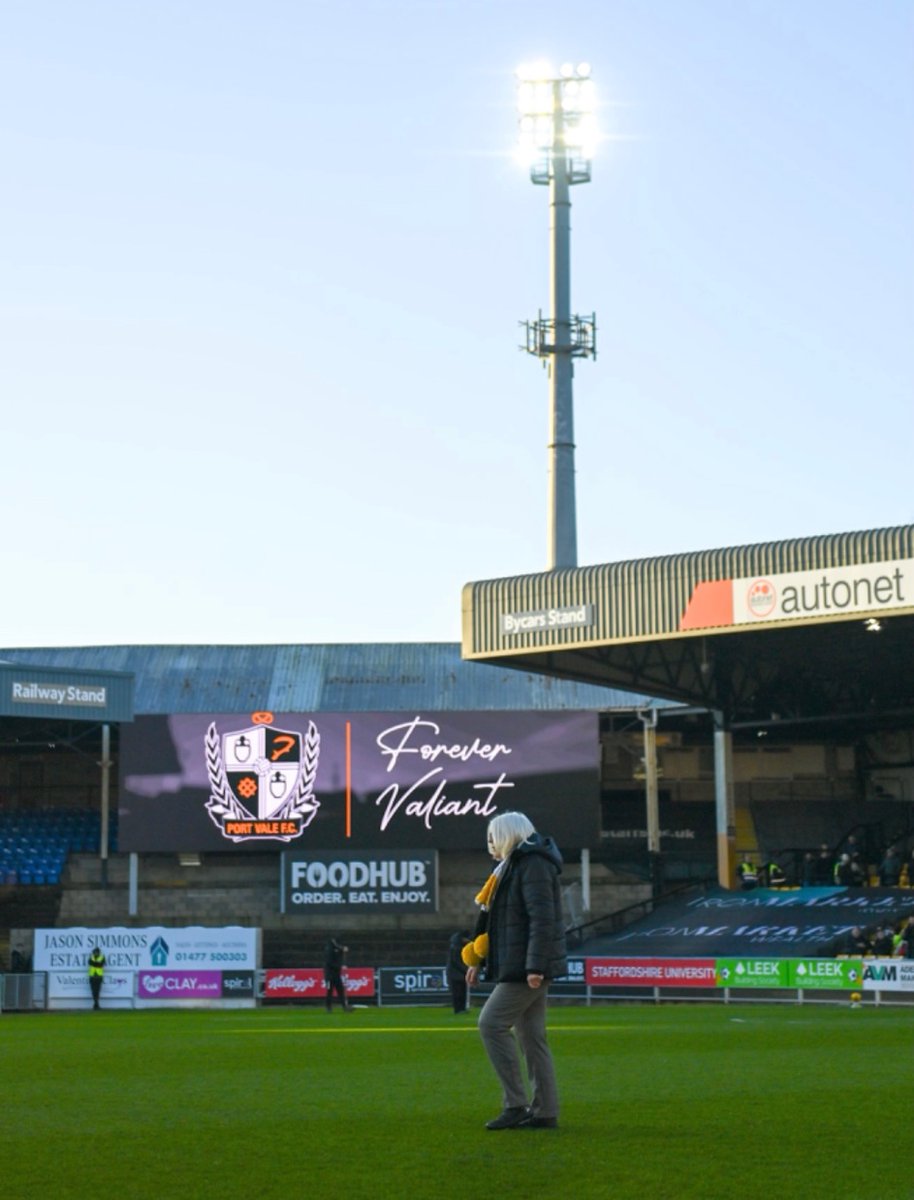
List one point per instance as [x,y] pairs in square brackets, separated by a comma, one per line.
[438,805]
[377,873]
[419,737]
[395,741]
[574,617]
[59,693]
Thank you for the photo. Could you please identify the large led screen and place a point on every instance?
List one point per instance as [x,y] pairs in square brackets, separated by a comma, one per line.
[280,781]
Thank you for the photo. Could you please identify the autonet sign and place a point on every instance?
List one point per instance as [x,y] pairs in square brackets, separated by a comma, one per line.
[364,781]
[352,881]
[797,595]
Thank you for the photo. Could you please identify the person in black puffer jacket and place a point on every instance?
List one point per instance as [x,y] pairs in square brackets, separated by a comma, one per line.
[521,944]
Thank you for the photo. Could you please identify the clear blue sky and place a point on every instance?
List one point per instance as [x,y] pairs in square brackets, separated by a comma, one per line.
[262,267]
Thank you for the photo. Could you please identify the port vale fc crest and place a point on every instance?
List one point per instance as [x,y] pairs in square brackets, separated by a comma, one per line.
[262,780]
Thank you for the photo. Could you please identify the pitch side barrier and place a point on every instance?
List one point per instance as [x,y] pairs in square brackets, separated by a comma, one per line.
[790,980]
[394,986]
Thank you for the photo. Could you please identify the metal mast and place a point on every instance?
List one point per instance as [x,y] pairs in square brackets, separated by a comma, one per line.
[557,133]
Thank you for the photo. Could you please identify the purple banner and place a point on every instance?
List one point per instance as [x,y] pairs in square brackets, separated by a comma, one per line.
[365,780]
[179,985]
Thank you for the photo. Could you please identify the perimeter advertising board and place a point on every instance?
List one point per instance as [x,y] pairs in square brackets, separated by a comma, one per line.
[215,782]
[888,975]
[413,985]
[307,983]
[803,973]
[154,950]
[651,972]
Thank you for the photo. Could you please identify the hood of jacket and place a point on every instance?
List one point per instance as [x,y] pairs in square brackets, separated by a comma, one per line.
[537,844]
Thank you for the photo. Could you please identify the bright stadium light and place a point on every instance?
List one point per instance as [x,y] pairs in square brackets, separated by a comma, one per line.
[557,139]
[557,117]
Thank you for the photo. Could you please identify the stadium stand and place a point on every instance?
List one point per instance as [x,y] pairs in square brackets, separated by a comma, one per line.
[34,846]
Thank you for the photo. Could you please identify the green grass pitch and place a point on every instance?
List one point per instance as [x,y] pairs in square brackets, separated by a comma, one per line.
[678,1100]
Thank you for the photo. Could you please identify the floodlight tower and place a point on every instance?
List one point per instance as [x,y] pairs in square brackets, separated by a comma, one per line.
[557,137]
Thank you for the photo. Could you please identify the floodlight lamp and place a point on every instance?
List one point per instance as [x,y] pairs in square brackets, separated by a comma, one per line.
[567,70]
[577,97]
[586,95]
[526,98]
[580,129]
[583,70]
[535,71]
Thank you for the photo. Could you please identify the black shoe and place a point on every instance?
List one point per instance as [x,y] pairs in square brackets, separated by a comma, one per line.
[532,1122]
[510,1118]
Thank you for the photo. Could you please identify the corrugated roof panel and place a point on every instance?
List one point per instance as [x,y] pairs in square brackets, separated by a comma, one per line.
[641,599]
[357,677]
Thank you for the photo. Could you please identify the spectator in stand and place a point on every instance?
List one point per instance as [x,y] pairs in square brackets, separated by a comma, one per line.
[746,873]
[907,939]
[890,868]
[843,873]
[855,943]
[808,873]
[907,870]
[860,876]
[852,846]
[883,942]
[774,875]
[825,867]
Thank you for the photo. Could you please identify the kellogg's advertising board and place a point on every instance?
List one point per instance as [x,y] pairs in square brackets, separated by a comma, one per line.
[307,983]
[265,781]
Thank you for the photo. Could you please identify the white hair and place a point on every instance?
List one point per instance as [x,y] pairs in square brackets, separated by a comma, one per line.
[507,830]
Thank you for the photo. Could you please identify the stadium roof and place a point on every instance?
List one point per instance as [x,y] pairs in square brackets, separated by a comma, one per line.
[805,629]
[369,677]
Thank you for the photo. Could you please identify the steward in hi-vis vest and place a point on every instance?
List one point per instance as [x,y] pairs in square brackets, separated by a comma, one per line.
[748,875]
[96,974]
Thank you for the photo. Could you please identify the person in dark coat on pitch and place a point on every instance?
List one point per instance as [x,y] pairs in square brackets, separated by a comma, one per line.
[334,957]
[457,971]
[520,939]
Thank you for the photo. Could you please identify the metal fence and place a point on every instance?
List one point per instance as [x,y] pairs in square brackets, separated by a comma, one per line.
[24,993]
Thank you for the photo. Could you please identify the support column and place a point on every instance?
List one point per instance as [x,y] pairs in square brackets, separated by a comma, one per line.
[652,795]
[585,881]
[133,885]
[724,800]
[106,784]
[562,537]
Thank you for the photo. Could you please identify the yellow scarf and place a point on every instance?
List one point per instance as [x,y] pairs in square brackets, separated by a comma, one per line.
[474,953]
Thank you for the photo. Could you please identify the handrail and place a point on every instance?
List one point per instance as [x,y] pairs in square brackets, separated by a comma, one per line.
[649,903]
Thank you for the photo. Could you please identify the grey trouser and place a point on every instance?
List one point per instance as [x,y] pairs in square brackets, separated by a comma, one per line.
[517,1007]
